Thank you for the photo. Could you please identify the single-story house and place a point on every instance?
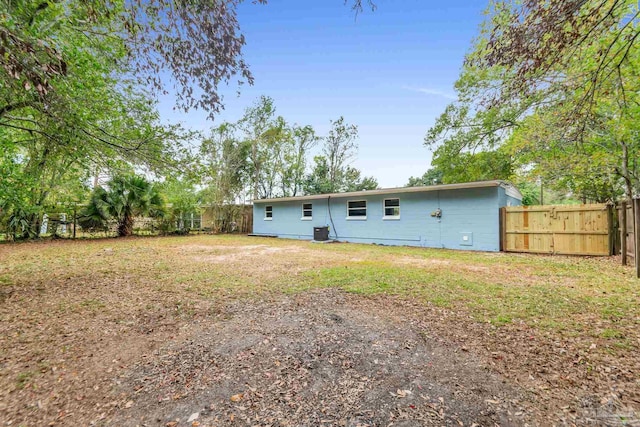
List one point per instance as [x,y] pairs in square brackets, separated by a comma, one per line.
[454,216]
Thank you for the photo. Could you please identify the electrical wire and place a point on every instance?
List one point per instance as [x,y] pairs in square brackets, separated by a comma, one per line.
[331,217]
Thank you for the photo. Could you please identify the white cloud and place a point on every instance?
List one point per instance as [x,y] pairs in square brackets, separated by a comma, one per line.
[429,91]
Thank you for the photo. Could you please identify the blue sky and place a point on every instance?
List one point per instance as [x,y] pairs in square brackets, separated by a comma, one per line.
[390,72]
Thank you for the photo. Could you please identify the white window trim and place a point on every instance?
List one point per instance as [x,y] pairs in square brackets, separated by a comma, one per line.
[266,218]
[306,218]
[357,218]
[384,209]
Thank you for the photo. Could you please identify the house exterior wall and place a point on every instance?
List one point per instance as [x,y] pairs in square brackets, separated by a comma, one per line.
[470,219]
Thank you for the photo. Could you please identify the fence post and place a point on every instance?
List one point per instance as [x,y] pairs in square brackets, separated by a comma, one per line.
[623,232]
[636,234]
[503,229]
[612,229]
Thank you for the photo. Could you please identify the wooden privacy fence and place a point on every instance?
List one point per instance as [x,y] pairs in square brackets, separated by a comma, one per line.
[227,218]
[559,229]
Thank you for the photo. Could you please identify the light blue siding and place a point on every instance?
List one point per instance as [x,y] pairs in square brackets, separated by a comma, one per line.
[473,213]
[505,200]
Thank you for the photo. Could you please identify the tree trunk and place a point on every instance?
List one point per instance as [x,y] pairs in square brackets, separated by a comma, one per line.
[626,175]
[256,171]
[125,226]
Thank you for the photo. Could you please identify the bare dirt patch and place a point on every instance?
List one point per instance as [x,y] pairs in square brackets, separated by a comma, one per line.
[315,359]
[218,254]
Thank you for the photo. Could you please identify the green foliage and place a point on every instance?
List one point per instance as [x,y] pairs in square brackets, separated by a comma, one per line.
[181,194]
[355,183]
[561,108]
[126,197]
[182,201]
[530,193]
[332,172]
[197,43]
[93,218]
[587,168]
[349,179]
[224,165]
[467,139]
[317,182]
[259,156]
[77,87]
[468,167]
[277,151]
[21,224]
[264,156]
[68,109]
[432,176]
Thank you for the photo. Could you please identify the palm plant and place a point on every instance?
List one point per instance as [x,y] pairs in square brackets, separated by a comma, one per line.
[22,224]
[126,197]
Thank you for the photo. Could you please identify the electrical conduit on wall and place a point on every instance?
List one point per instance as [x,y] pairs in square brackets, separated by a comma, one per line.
[333,226]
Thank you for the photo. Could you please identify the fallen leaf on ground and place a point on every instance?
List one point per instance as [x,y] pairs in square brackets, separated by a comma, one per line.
[402,393]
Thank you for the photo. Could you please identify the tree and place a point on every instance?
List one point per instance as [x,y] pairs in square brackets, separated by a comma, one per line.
[551,86]
[318,181]
[198,42]
[277,156]
[275,153]
[225,169]
[183,203]
[339,149]
[47,162]
[332,172]
[66,108]
[355,182]
[77,83]
[303,139]
[255,123]
[126,197]
[535,41]
[576,62]
[432,176]
[468,167]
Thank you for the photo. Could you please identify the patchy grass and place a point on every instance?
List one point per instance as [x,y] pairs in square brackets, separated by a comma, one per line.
[557,293]
[546,292]
[73,304]
[571,295]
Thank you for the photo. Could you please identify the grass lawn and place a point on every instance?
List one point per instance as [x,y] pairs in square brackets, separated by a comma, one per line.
[563,328]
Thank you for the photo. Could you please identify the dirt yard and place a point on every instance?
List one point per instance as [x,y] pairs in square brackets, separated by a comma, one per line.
[210,331]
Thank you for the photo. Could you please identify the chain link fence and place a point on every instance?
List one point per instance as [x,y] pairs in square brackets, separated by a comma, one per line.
[65,224]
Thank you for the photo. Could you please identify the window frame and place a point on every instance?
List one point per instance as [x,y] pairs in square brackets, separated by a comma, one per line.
[307,218]
[384,209]
[357,217]
[268,211]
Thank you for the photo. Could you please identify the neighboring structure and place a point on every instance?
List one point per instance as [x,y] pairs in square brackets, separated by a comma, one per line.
[455,216]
